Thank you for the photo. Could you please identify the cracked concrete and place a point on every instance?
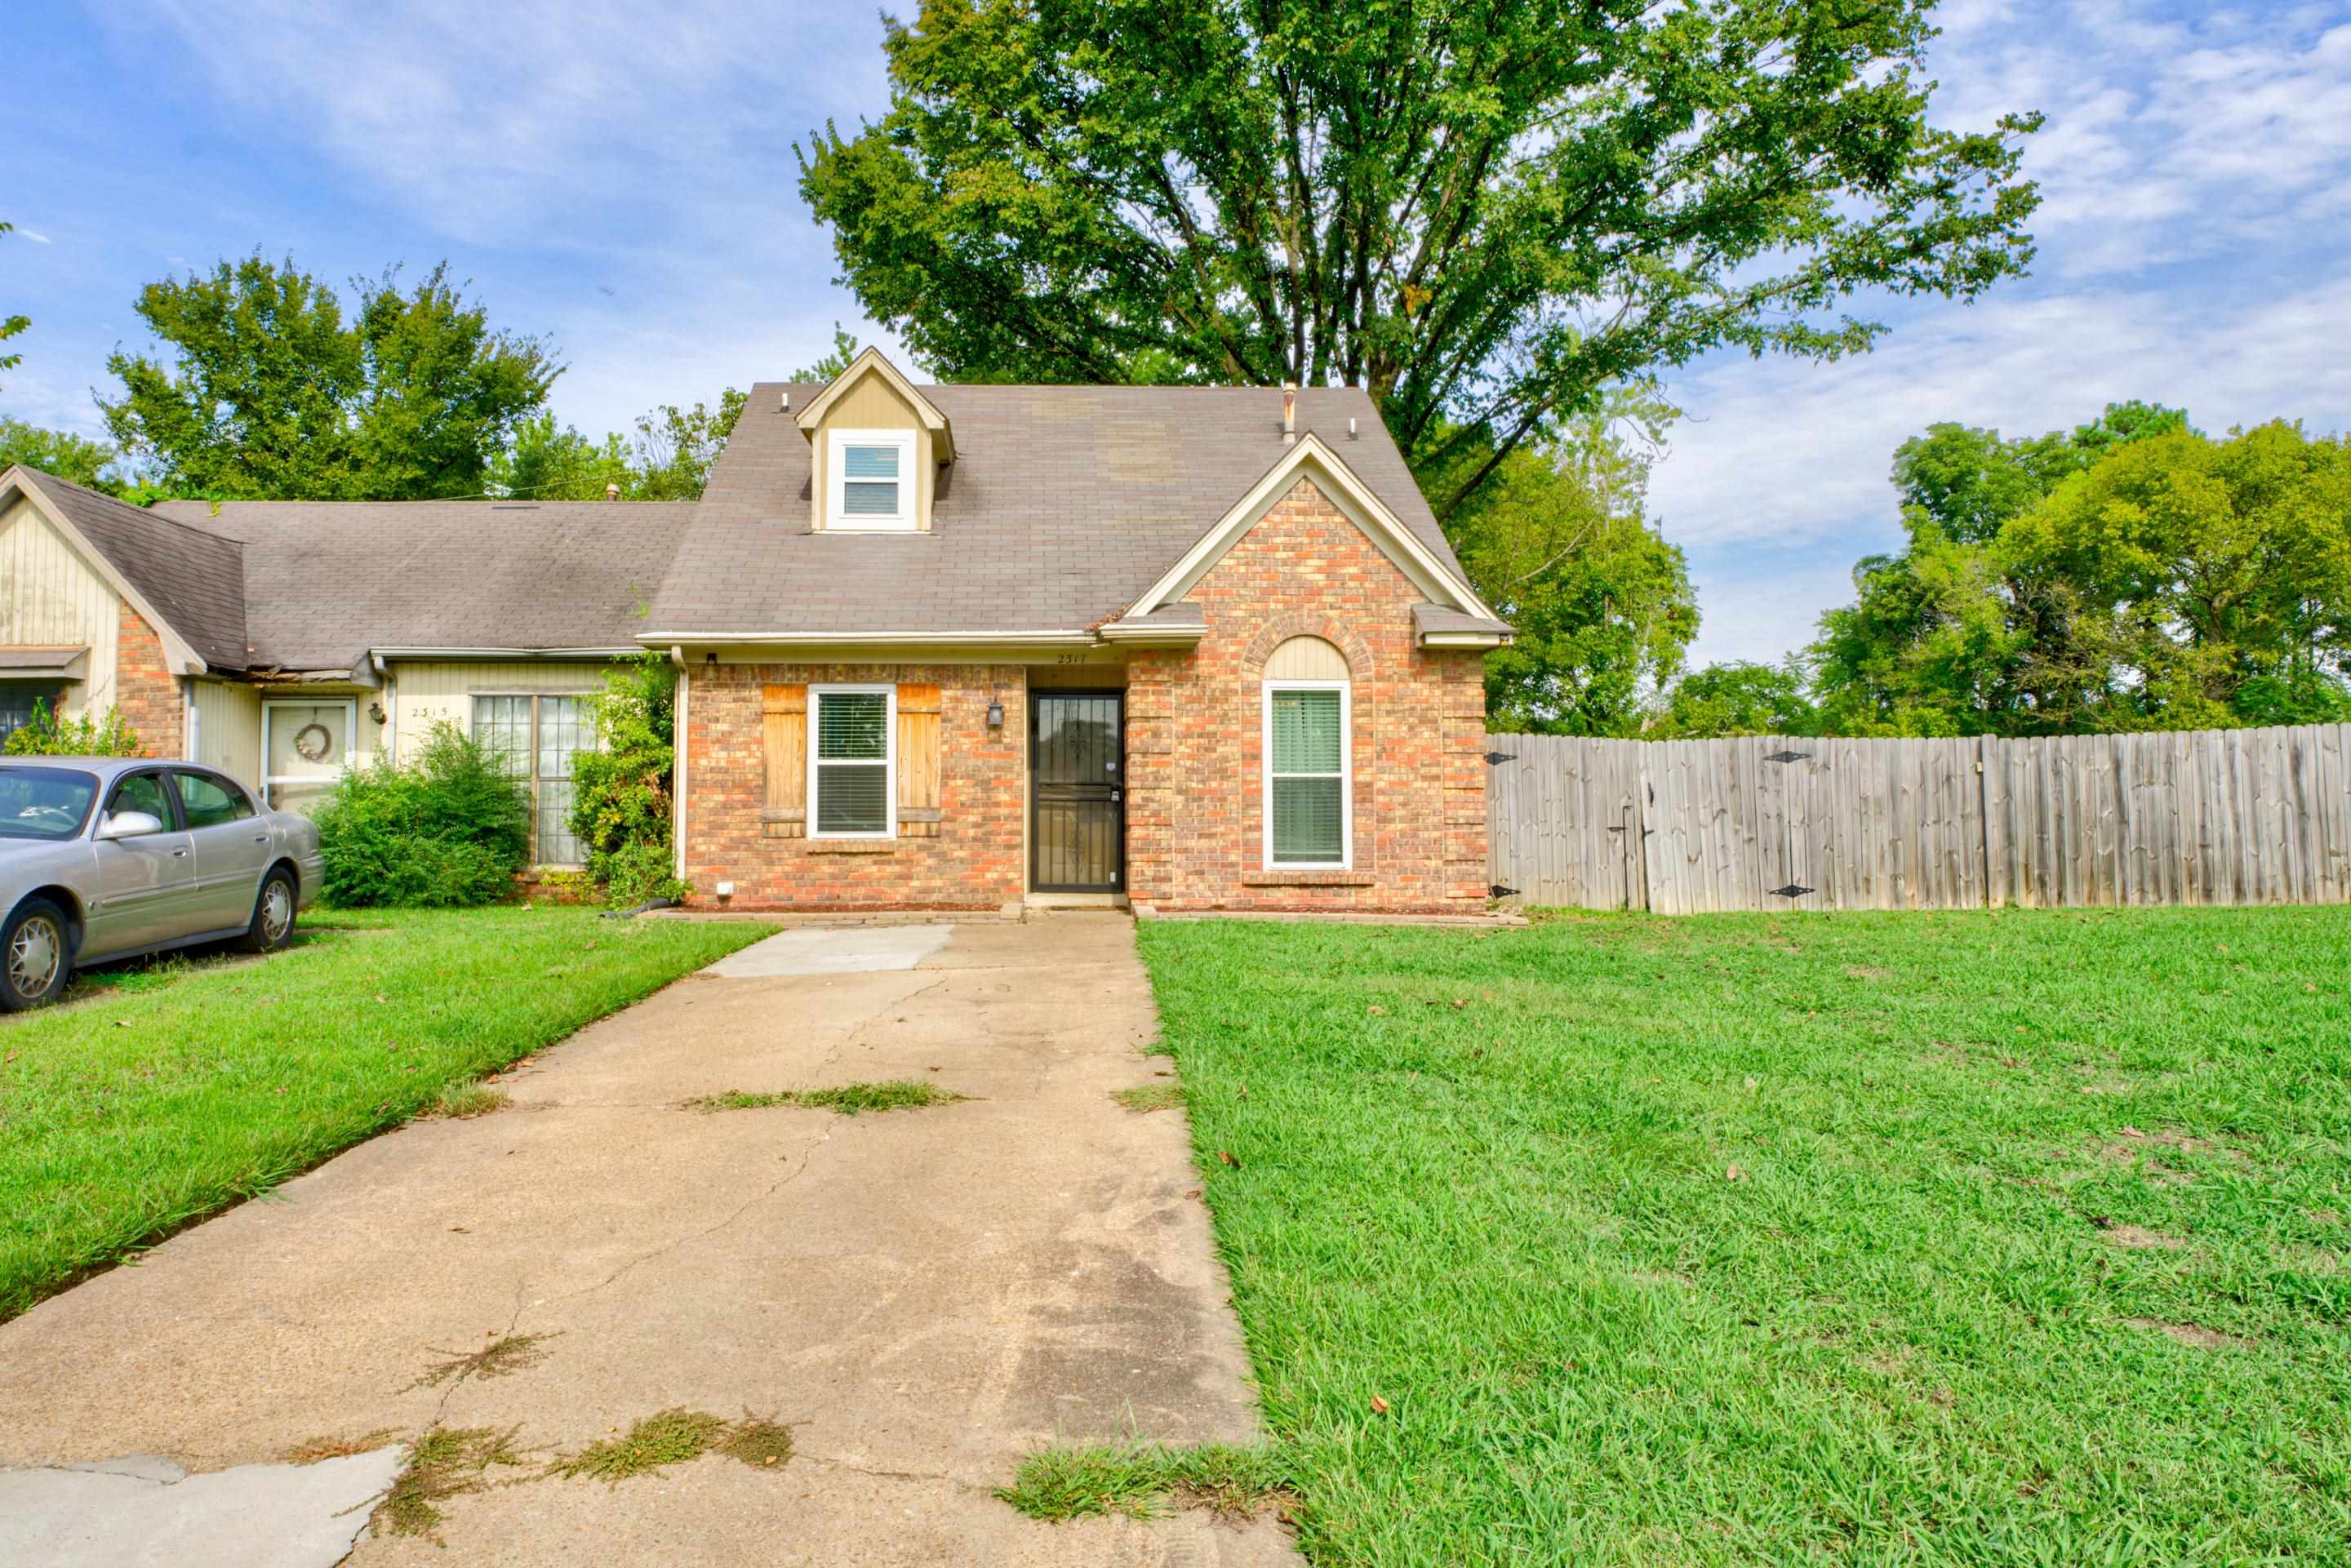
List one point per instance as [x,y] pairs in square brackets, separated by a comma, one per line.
[925,1296]
[148,1512]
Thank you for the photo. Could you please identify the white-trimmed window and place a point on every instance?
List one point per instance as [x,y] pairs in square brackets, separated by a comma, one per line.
[869,480]
[1309,812]
[535,737]
[852,760]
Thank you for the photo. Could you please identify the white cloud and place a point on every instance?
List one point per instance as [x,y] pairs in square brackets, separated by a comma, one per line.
[33,235]
[1786,451]
[2167,138]
[2197,175]
[535,120]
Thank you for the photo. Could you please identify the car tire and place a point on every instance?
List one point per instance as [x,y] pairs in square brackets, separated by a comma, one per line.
[35,955]
[273,914]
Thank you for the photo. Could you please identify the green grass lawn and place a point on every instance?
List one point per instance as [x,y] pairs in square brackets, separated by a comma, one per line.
[157,1094]
[1939,1239]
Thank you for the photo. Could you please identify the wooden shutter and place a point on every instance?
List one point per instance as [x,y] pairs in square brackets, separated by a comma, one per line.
[783,719]
[918,761]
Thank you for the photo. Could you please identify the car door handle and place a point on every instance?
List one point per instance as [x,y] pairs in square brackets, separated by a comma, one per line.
[180,855]
[261,838]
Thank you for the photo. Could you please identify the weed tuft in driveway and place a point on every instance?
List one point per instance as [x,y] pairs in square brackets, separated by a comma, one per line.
[847,1099]
[446,1462]
[759,1441]
[1144,1480]
[464,1101]
[502,1357]
[1151,1097]
[669,1436]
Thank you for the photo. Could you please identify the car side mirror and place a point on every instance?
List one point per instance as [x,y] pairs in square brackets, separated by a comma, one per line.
[130,825]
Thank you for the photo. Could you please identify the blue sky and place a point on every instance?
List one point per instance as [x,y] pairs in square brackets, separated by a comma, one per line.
[620,179]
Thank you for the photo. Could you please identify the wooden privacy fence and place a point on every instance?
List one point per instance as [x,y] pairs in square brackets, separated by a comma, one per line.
[2230,816]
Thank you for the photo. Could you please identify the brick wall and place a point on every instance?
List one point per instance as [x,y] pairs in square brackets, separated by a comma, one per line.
[974,863]
[1195,732]
[145,690]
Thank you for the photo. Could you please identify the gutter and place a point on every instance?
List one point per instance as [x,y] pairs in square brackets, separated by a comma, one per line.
[502,655]
[880,638]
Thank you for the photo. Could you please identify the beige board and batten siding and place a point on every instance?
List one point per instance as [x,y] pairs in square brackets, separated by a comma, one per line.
[425,693]
[872,404]
[228,729]
[51,597]
[1306,659]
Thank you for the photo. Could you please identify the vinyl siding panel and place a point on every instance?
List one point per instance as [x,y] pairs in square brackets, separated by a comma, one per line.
[228,730]
[50,596]
[423,693]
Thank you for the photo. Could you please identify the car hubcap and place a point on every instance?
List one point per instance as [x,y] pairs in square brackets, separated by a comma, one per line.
[34,954]
[277,910]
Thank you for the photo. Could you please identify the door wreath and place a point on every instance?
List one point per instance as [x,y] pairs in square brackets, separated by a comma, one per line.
[312,742]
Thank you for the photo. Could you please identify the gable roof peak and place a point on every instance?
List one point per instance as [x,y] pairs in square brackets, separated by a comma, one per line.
[873,361]
[1312,457]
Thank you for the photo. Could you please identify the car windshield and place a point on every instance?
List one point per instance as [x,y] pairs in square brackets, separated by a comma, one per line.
[44,802]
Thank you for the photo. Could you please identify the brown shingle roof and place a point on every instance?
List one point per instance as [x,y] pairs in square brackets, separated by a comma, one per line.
[193,579]
[1063,505]
[326,581]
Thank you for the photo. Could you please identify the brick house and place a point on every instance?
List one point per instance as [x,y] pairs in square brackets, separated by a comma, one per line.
[937,647]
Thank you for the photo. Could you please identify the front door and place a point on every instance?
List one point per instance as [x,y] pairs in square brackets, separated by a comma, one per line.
[305,747]
[1077,812]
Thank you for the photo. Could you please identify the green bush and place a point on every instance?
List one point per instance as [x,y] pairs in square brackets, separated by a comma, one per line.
[451,829]
[620,792]
[46,734]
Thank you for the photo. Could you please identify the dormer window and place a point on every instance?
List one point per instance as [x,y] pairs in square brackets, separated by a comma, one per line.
[871,480]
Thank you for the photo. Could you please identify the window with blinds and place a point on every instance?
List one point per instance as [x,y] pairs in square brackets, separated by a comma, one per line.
[851,760]
[872,479]
[1307,809]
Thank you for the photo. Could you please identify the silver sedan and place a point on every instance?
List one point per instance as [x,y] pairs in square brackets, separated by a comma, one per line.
[107,857]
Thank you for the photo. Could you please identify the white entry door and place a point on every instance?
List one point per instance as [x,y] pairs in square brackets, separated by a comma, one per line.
[306,747]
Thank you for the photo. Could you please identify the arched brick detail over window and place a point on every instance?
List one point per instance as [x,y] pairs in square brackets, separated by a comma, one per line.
[1282,628]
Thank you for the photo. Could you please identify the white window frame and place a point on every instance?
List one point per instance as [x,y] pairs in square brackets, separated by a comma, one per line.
[889,694]
[270,781]
[530,777]
[1346,861]
[836,476]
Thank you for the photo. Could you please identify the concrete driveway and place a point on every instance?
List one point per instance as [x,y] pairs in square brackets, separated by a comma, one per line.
[925,1296]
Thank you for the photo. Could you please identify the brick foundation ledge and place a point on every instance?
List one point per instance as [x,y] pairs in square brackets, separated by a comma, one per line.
[1309,879]
[706,904]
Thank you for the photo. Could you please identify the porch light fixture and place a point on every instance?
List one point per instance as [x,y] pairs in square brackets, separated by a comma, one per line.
[995,716]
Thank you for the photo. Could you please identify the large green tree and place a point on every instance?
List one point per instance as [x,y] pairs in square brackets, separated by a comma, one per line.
[668,459]
[272,392]
[1558,541]
[1486,214]
[72,458]
[11,326]
[1738,698]
[2130,574]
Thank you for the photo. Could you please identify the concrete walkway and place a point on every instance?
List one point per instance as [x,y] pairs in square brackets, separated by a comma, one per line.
[925,1296]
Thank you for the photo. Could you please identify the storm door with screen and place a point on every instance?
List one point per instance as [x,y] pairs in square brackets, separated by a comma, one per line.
[306,747]
[1077,829]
